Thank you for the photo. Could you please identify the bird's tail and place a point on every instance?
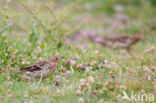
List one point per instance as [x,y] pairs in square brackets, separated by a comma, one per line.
[16,72]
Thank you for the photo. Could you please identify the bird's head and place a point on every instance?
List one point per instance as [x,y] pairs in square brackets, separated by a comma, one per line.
[136,38]
[54,59]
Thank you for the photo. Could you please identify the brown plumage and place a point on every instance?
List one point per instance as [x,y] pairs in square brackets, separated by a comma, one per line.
[119,42]
[43,68]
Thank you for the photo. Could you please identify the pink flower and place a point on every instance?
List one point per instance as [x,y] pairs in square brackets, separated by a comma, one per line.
[70,62]
[105,62]
[6,41]
[57,77]
[77,37]
[91,79]
[81,67]
[78,92]
[94,62]
[39,42]
[21,56]
[73,58]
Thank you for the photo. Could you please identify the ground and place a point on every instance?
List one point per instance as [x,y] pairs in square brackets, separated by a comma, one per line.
[89,73]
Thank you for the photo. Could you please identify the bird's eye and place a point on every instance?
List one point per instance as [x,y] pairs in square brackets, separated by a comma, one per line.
[56,58]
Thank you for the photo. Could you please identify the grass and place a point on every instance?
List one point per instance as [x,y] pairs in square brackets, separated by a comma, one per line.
[108,73]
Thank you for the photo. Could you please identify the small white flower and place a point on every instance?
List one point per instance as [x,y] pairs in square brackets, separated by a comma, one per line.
[27,62]
[81,100]
[23,62]
[91,79]
[82,81]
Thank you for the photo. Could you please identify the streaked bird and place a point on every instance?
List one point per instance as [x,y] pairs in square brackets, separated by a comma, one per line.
[41,69]
[124,41]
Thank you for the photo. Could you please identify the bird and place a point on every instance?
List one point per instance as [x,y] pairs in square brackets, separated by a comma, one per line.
[42,68]
[123,41]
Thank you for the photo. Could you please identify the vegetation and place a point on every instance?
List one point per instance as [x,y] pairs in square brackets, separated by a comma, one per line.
[33,30]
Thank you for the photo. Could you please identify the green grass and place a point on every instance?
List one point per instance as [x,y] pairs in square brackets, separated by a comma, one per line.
[38,34]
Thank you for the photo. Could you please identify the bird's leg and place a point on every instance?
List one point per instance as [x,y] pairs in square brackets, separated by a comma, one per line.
[40,79]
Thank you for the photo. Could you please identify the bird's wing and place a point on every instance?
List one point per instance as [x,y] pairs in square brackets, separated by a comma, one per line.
[36,67]
[122,39]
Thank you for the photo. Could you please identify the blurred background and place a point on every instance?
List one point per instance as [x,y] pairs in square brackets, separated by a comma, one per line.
[77,21]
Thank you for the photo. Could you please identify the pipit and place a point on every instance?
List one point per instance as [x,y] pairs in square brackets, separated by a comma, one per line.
[124,41]
[41,69]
